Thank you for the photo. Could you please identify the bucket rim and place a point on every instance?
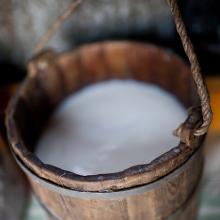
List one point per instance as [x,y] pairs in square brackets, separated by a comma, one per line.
[137,190]
[130,177]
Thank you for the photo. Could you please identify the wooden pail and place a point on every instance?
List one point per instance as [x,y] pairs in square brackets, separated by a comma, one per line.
[151,191]
[162,189]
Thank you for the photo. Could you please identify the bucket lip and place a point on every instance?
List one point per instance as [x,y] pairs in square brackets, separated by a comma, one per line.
[138,190]
[130,177]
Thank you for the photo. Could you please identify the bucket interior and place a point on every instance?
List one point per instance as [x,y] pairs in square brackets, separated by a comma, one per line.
[70,72]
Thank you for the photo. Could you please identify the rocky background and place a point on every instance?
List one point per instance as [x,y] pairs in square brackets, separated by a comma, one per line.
[23,22]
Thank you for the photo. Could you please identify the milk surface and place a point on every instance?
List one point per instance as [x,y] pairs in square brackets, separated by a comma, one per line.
[110,126]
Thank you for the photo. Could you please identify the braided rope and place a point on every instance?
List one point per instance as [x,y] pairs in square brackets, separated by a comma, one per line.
[195,69]
[56,25]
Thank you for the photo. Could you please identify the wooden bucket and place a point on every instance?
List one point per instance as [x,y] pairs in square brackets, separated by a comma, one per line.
[162,189]
[151,191]
[11,207]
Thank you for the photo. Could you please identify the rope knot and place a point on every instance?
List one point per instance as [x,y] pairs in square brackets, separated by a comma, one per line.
[186,131]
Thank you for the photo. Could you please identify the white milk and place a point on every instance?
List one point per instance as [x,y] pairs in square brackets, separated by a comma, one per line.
[111,126]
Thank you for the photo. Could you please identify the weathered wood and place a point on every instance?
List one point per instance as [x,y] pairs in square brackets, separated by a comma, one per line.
[13,185]
[168,198]
[51,78]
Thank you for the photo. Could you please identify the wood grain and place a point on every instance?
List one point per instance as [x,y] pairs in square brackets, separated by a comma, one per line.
[51,78]
[171,199]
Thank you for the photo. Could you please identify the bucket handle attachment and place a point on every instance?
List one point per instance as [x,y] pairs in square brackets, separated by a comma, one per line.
[185,132]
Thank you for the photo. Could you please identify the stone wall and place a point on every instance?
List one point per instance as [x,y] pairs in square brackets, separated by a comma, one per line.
[23,22]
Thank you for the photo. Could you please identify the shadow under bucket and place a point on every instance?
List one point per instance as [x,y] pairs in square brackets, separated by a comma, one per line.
[163,189]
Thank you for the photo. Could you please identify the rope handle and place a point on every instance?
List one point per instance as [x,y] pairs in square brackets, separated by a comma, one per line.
[183,131]
[56,25]
[196,73]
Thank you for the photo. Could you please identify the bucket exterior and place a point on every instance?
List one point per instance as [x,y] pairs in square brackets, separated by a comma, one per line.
[162,189]
[173,197]
[188,211]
